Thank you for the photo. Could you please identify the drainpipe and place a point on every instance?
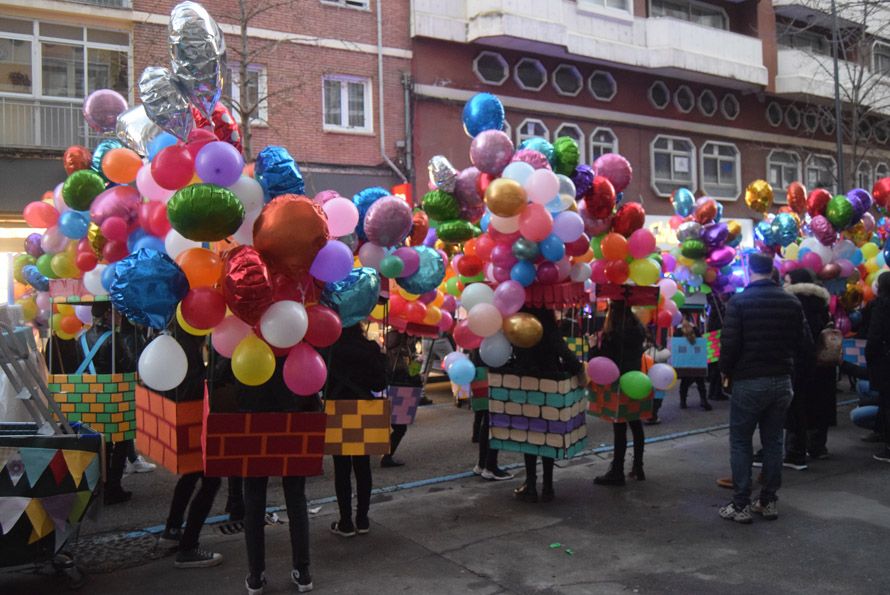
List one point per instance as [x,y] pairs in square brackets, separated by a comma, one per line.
[380,93]
[409,145]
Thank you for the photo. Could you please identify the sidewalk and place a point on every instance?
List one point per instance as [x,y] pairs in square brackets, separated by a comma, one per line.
[658,536]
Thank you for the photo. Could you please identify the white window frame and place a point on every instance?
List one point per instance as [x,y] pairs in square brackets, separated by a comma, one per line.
[539,65]
[780,196]
[882,170]
[261,116]
[692,183]
[886,51]
[608,75]
[508,130]
[601,7]
[827,118]
[789,110]
[807,127]
[365,5]
[703,5]
[652,100]
[870,172]
[582,140]
[810,158]
[500,59]
[684,89]
[613,146]
[882,132]
[368,128]
[520,136]
[737,162]
[774,105]
[732,98]
[701,108]
[869,132]
[573,69]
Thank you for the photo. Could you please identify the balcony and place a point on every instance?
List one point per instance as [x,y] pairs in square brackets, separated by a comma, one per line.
[106,3]
[41,124]
[574,29]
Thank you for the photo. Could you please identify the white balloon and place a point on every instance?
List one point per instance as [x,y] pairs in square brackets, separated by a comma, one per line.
[518,171]
[580,272]
[175,244]
[244,235]
[284,323]
[163,364]
[476,293]
[92,280]
[495,350]
[484,320]
[505,224]
[249,192]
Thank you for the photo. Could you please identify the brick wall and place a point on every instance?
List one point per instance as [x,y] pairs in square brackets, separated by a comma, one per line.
[169,432]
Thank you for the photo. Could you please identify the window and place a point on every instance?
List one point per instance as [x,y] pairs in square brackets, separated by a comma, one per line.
[865,130]
[347,104]
[782,168]
[880,55]
[820,172]
[689,10]
[864,176]
[574,132]
[774,114]
[882,132]
[593,4]
[602,85]
[508,130]
[257,92]
[567,80]
[805,40]
[729,107]
[602,141]
[659,95]
[684,99]
[792,117]
[358,4]
[882,170]
[530,128]
[491,68]
[707,103]
[530,74]
[673,164]
[811,120]
[827,122]
[721,170]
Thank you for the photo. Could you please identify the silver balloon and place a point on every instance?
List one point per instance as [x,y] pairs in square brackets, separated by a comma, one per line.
[164,101]
[135,129]
[689,230]
[442,173]
[198,54]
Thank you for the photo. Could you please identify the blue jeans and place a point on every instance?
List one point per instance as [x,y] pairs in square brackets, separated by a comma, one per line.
[865,416]
[764,402]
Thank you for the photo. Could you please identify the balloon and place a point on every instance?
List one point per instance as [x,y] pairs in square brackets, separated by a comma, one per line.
[161,93]
[476,293]
[785,229]
[490,151]
[225,126]
[84,314]
[523,272]
[628,218]
[228,334]
[442,174]
[342,216]
[388,221]
[40,214]
[484,320]
[523,329]
[823,230]
[797,198]
[644,271]
[101,109]
[430,272]
[817,201]
[332,263]
[187,327]
[278,173]
[509,297]
[683,201]
[203,308]
[482,112]
[324,326]
[522,249]
[518,171]
[219,163]
[614,247]
[147,286]
[76,158]
[284,323]
[136,130]
[121,165]
[247,286]
[163,364]
[440,205]
[552,248]
[73,224]
[304,370]
[464,337]
[253,362]
[495,351]
[641,243]
[615,168]
[462,371]
[759,196]
[568,226]
[839,212]
[617,271]
[149,188]
[205,213]
[285,251]
[81,187]
[881,192]
[542,186]
[173,167]
[535,222]
[92,281]
[600,200]
[602,371]
[354,297]
[663,376]
[636,385]
[391,266]
[565,155]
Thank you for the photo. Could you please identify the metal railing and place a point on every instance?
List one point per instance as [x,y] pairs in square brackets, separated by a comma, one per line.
[31,123]
[106,3]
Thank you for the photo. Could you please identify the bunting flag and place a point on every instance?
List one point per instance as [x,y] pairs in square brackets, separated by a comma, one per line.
[11,509]
[6,453]
[59,467]
[92,473]
[59,508]
[41,524]
[78,461]
[16,468]
[36,461]
[78,506]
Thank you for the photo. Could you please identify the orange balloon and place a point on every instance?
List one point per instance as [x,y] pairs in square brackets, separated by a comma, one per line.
[614,246]
[797,198]
[289,233]
[70,324]
[586,257]
[121,165]
[202,267]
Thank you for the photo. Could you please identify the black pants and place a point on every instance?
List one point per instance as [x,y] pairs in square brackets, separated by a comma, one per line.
[715,381]
[884,415]
[488,457]
[531,471]
[235,498]
[620,432]
[116,457]
[699,382]
[344,467]
[395,437]
[199,509]
[255,522]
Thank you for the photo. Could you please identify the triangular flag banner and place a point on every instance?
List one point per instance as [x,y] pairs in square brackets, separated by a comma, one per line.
[6,452]
[92,473]
[41,524]
[77,461]
[59,467]
[78,505]
[36,461]
[16,468]
[11,510]
[58,508]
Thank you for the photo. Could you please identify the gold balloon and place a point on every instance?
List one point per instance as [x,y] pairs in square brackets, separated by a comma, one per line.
[759,196]
[523,329]
[851,298]
[505,197]
[734,228]
[96,239]
[858,234]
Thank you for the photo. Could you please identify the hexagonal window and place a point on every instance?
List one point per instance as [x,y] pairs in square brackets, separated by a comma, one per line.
[508,130]
[774,114]
[491,68]
[567,80]
[530,74]
[792,117]
[811,120]
[684,99]
[730,107]
[882,133]
[882,170]
[574,132]
[865,130]
[659,95]
[827,122]
[707,103]
[602,85]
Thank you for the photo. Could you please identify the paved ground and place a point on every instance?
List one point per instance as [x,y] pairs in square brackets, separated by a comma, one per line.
[658,536]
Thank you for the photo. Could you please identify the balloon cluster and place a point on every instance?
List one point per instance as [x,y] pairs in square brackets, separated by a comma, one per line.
[635,384]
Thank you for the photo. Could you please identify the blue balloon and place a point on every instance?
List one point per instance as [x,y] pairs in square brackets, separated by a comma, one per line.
[485,221]
[684,202]
[363,201]
[74,225]
[856,258]
[552,248]
[146,288]
[483,112]
[108,276]
[523,272]
[136,235]
[430,272]
[784,229]
[719,214]
[161,141]
[541,145]
[354,297]
[277,173]
[35,278]
[104,146]
[462,371]
[149,242]
[764,232]
[618,197]
[885,252]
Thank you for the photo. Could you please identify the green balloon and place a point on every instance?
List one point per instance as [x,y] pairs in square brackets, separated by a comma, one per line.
[441,206]
[457,230]
[452,286]
[45,266]
[693,249]
[18,263]
[635,385]
[565,155]
[391,266]
[839,212]
[679,299]
[205,213]
[81,188]
[475,279]
[595,243]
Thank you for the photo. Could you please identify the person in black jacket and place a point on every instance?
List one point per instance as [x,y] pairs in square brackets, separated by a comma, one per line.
[877,357]
[763,333]
[716,312]
[356,370]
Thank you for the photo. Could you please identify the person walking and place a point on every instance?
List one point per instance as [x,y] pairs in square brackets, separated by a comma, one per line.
[764,332]
[690,331]
[877,358]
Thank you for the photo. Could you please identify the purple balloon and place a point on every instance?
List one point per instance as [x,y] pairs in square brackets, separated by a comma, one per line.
[823,230]
[428,297]
[715,234]
[509,297]
[332,263]
[325,196]
[411,260]
[101,109]
[583,180]
[500,274]
[502,256]
[616,168]
[431,237]
[219,163]
[491,151]
[117,201]
[32,245]
[721,256]
[860,199]
[534,158]
[388,221]
[548,274]
[472,207]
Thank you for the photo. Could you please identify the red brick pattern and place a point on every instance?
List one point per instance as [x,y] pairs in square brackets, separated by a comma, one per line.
[169,432]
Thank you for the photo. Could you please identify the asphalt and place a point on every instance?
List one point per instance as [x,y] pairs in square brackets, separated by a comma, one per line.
[446,533]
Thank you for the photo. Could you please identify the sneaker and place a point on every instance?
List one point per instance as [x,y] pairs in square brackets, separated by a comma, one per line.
[757,461]
[388,461]
[740,515]
[526,493]
[255,585]
[169,539]
[652,421]
[613,477]
[796,463]
[724,482]
[116,496]
[872,438]
[342,530]
[302,580]
[197,558]
[820,455]
[139,466]
[497,475]
[362,526]
[883,456]
[477,470]
[769,511]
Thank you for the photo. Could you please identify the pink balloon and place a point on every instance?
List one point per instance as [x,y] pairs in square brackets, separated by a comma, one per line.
[465,338]
[641,243]
[342,216]
[446,322]
[846,267]
[61,207]
[542,186]
[535,221]
[304,370]
[227,334]
[115,228]
[509,297]
[117,201]
[602,371]
[615,168]
[491,151]
[548,274]
[500,274]
[149,188]
[502,256]
[668,262]
[53,240]
[812,261]
[43,300]
[564,268]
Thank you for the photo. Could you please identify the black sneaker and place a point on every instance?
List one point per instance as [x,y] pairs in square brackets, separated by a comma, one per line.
[197,558]
[388,461]
[116,496]
[613,477]
[302,580]
[757,461]
[796,463]
[526,493]
[883,456]
[497,475]
[362,526]
[343,530]
[169,539]
[652,421]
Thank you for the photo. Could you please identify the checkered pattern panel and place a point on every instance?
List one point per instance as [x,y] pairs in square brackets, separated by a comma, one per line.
[576,344]
[357,427]
[612,405]
[854,351]
[713,339]
[105,402]
[404,402]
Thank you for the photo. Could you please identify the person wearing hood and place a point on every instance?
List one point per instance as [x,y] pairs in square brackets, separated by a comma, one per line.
[814,407]
[877,357]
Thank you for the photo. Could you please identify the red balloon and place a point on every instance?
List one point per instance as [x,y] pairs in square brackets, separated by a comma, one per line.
[547,273]
[484,245]
[628,218]
[705,210]
[397,305]
[797,198]
[464,337]
[114,251]
[579,247]
[469,266]
[324,326]
[203,307]
[482,182]
[199,137]
[86,260]
[173,167]
[115,228]
[76,158]
[817,201]
[225,126]
[158,223]
[600,199]
[881,192]
[415,311]
[247,287]
[598,272]
[664,319]
[274,233]
[617,271]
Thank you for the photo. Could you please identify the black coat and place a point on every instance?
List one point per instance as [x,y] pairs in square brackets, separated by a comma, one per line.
[763,333]
[550,358]
[877,346]
[625,347]
[356,367]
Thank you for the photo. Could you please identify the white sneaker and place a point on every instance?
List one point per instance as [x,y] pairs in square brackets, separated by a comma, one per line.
[255,590]
[477,470]
[731,513]
[140,466]
[496,475]
[770,510]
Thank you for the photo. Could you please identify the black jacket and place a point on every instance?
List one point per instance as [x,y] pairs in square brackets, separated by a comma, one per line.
[877,346]
[763,333]
[356,366]
[625,347]
[549,358]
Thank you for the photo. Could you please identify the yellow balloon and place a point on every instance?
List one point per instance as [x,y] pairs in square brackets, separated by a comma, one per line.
[253,362]
[378,312]
[65,309]
[505,197]
[55,323]
[187,327]
[523,329]
[408,296]
[871,265]
[869,250]
[791,251]
[644,271]
[29,309]
[64,336]
[433,315]
[759,196]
